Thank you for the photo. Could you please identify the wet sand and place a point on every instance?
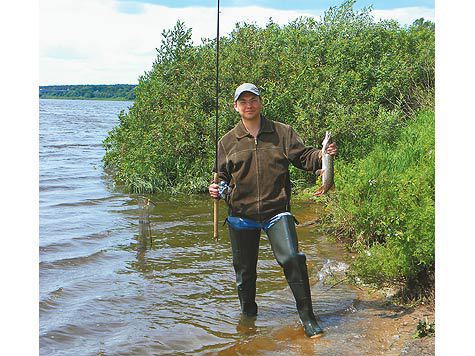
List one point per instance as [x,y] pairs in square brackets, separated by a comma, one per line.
[371,327]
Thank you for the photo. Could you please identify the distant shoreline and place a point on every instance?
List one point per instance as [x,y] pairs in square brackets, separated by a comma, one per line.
[80,98]
[116,92]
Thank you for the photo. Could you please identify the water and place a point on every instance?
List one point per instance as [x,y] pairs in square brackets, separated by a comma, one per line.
[120,278]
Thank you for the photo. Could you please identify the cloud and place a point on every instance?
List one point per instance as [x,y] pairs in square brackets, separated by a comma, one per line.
[406,15]
[118,43]
[64,52]
[110,41]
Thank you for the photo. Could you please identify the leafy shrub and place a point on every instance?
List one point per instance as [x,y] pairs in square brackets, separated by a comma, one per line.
[385,204]
[345,73]
[423,329]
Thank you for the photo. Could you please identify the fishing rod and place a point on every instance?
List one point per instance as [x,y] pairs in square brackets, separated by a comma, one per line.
[215,175]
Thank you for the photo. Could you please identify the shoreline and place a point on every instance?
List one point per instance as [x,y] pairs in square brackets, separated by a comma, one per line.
[83,98]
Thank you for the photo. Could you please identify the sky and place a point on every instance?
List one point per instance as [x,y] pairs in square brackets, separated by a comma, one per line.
[115,41]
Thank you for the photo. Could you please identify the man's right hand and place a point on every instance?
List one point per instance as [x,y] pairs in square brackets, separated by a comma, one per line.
[213,191]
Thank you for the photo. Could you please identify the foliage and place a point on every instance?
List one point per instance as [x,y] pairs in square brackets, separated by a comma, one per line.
[385,205]
[164,142]
[345,73]
[424,328]
[106,92]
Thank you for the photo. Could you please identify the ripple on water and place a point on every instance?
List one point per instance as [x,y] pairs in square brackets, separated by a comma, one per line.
[74,262]
[51,300]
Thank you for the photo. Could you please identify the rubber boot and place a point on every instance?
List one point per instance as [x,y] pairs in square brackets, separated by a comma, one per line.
[245,247]
[283,239]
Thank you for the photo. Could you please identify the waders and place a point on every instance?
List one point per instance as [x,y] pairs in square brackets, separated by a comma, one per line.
[283,239]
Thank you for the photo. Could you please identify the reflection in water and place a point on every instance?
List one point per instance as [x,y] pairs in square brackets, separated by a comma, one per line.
[145,231]
[247,325]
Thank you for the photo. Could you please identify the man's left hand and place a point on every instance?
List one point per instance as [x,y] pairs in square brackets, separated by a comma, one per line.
[332,149]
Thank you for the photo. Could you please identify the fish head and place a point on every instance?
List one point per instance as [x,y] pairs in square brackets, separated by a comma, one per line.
[326,140]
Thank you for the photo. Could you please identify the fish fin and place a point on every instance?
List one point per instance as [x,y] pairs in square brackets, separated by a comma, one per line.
[319,192]
[323,190]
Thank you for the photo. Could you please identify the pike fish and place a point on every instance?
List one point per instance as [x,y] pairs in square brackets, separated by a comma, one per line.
[327,172]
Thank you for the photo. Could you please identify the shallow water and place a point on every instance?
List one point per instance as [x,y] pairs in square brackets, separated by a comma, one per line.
[120,278]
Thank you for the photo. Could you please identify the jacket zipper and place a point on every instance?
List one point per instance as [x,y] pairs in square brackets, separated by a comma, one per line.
[257,177]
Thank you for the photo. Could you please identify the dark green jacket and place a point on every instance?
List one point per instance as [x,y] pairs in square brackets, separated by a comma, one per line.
[257,169]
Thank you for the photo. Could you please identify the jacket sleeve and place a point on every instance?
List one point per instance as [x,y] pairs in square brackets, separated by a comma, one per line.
[301,156]
[222,169]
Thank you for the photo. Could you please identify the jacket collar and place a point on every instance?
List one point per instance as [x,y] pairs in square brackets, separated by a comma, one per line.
[241,131]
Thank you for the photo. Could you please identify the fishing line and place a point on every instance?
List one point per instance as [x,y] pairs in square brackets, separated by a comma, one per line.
[215,175]
[217,90]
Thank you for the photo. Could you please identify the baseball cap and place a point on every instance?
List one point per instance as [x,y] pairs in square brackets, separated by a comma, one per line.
[246,87]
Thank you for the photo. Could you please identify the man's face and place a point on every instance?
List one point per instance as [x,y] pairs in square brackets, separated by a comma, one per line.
[249,106]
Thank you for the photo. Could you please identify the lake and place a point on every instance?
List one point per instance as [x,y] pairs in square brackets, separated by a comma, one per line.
[121,278]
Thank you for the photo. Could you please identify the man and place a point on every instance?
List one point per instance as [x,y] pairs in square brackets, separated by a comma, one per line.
[253,169]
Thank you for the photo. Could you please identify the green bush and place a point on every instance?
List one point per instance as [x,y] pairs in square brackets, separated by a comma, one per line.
[385,204]
[346,73]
